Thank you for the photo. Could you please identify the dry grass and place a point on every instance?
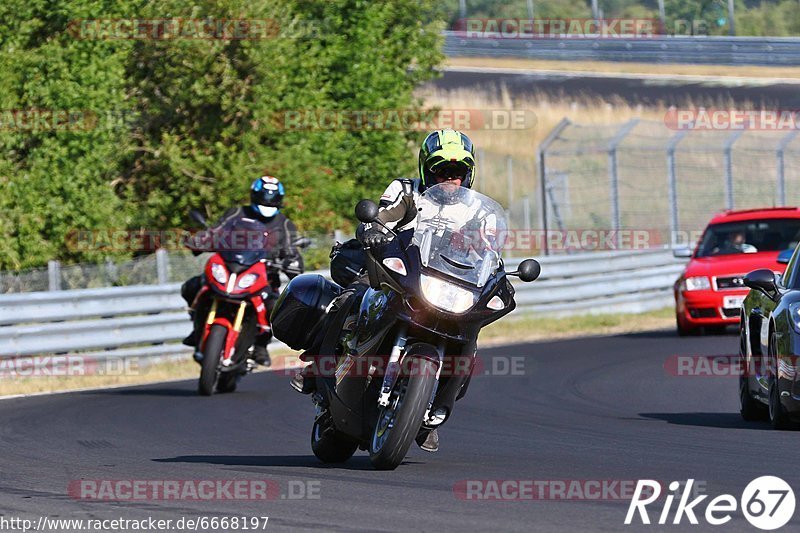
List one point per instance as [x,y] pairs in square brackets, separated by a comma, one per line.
[535,328]
[628,68]
[548,111]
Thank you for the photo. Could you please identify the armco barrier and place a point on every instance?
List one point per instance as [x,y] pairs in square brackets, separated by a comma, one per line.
[150,320]
[768,51]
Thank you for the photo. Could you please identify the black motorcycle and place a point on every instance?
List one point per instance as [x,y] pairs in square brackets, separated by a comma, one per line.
[391,359]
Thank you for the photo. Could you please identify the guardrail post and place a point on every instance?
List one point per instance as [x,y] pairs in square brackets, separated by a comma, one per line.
[613,177]
[781,183]
[672,185]
[729,199]
[162,266]
[552,136]
[53,276]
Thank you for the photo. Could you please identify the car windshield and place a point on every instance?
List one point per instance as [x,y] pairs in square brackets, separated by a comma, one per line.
[750,236]
[460,232]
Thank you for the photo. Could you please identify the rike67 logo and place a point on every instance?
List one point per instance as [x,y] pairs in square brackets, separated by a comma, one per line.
[767,503]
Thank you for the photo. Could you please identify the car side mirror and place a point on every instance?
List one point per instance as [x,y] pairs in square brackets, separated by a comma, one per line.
[528,270]
[198,217]
[366,211]
[785,256]
[762,280]
[684,252]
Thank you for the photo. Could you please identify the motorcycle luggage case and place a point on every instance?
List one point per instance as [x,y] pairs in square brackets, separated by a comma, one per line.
[300,307]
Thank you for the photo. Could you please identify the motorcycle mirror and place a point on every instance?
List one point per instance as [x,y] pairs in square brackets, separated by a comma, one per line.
[366,211]
[198,217]
[528,270]
[302,242]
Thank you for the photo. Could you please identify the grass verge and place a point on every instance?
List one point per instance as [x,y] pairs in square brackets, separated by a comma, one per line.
[512,330]
[536,327]
[137,372]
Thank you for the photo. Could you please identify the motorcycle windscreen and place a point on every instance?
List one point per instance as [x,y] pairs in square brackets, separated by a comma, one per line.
[242,240]
[460,232]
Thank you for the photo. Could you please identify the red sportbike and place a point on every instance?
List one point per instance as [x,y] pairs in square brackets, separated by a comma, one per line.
[231,305]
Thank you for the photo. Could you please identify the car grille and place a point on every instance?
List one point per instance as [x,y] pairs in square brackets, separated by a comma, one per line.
[730,313]
[730,282]
[703,312]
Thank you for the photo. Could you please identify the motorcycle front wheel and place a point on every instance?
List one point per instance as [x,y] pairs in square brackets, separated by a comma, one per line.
[215,343]
[399,422]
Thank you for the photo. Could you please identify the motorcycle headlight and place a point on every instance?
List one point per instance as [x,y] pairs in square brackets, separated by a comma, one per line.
[246,281]
[219,273]
[697,283]
[447,296]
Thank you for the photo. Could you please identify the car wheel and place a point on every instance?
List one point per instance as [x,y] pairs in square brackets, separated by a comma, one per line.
[777,414]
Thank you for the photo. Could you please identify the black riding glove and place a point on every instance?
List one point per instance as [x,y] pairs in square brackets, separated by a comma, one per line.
[374,238]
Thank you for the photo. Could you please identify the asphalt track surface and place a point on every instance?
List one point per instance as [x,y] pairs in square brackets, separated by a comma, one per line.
[601,408]
[645,91]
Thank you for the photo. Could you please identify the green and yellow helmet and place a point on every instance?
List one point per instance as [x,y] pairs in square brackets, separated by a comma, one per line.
[446,148]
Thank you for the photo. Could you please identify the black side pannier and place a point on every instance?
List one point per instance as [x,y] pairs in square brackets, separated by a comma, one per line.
[348,262]
[300,309]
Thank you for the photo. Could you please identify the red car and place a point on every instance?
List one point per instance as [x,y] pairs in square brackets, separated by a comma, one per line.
[710,291]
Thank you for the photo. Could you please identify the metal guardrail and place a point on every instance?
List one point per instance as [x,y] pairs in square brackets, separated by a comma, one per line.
[150,320]
[715,50]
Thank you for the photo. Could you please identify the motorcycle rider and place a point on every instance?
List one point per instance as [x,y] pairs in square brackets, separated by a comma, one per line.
[445,156]
[266,201]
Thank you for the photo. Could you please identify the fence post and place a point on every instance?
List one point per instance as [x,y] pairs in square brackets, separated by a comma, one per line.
[53,276]
[510,185]
[552,136]
[613,176]
[162,266]
[781,168]
[729,199]
[672,185]
[526,213]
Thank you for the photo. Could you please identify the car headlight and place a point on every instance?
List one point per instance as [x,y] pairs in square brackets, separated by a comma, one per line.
[697,283]
[219,273]
[447,296]
[794,315]
[246,281]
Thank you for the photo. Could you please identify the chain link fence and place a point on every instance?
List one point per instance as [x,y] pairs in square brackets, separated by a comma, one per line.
[641,175]
[158,268]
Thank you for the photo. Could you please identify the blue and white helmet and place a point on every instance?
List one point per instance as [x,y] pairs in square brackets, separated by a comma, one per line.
[266,196]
